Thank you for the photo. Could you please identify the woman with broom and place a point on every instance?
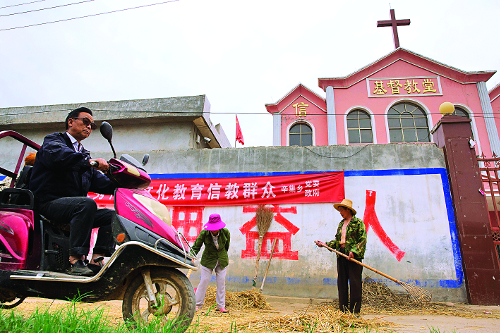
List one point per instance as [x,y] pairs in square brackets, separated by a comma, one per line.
[216,239]
[349,240]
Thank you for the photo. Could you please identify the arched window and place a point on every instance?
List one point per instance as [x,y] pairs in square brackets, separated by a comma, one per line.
[359,127]
[300,135]
[460,112]
[407,123]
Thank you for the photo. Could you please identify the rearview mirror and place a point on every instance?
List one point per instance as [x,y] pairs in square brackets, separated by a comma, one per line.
[106,131]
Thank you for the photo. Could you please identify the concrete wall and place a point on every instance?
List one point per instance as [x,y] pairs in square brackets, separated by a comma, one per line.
[414,242]
[414,239]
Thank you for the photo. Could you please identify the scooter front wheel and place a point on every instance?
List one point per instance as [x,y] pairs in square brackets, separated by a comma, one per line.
[175,300]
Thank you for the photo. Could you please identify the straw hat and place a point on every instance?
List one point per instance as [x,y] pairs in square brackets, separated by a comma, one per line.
[214,223]
[347,204]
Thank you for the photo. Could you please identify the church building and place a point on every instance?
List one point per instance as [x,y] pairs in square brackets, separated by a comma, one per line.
[394,99]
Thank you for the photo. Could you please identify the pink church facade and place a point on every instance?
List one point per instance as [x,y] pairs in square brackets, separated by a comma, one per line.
[494,95]
[394,99]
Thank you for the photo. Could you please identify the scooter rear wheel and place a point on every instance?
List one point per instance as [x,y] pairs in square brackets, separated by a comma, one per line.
[12,304]
[175,297]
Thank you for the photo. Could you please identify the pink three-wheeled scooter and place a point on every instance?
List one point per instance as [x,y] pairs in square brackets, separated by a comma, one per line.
[143,271]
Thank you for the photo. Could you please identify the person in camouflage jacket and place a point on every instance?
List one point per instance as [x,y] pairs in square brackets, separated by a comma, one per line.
[350,239]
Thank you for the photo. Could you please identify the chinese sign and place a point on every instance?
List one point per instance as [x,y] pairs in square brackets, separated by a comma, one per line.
[283,247]
[300,109]
[299,188]
[412,86]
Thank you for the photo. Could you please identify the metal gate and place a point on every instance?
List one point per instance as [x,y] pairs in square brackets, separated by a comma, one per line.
[490,171]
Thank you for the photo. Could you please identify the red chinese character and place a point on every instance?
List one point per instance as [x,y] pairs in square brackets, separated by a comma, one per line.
[188,221]
[371,220]
[283,248]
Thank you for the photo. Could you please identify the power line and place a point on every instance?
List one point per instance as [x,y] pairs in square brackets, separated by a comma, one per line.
[90,15]
[260,113]
[21,4]
[218,113]
[46,8]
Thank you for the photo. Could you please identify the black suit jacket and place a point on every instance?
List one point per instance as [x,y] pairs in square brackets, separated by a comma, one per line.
[59,171]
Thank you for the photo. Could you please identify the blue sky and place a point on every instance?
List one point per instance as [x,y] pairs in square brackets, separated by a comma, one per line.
[241,54]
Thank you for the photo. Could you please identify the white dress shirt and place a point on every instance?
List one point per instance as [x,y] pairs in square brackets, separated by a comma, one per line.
[77,146]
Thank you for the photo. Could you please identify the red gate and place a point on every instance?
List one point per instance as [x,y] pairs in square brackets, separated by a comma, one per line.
[490,171]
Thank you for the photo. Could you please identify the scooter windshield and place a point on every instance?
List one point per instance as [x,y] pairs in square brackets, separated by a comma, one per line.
[130,160]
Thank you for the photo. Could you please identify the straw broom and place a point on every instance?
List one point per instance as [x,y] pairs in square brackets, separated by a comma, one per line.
[268,263]
[264,216]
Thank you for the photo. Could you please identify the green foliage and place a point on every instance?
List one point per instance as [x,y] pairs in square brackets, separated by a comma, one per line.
[64,320]
[437,330]
[234,329]
[71,319]
[310,327]
[211,308]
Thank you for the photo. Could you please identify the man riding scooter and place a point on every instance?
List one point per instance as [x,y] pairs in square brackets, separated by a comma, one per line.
[61,178]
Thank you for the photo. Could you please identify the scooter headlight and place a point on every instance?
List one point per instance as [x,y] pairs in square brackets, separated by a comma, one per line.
[155,207]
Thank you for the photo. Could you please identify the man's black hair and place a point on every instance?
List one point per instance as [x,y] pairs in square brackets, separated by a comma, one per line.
[76,112]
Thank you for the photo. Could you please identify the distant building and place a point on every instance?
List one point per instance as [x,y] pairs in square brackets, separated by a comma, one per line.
[140,126]
[394,99]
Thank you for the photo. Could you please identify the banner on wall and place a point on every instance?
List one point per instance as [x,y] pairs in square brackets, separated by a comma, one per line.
[240,191]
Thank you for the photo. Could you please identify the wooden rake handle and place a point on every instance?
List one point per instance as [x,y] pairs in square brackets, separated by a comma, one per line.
[364,265]
[268,263]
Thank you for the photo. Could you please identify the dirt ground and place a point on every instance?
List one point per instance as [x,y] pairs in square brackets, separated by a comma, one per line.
[487,318]
[286,312]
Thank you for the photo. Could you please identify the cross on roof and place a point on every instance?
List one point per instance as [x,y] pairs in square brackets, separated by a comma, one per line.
[394,24]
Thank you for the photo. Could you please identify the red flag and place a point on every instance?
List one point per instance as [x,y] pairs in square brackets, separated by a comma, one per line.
[239,135]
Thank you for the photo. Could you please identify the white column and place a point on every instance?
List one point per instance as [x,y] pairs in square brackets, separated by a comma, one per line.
[330,116]
[491,127]
[277,129]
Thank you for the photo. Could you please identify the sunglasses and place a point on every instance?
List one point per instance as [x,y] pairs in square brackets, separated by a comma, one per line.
[86,121]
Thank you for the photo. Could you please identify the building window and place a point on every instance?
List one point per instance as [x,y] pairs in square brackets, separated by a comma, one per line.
[359,127]
[407,123]
[460,112]
[300,135]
